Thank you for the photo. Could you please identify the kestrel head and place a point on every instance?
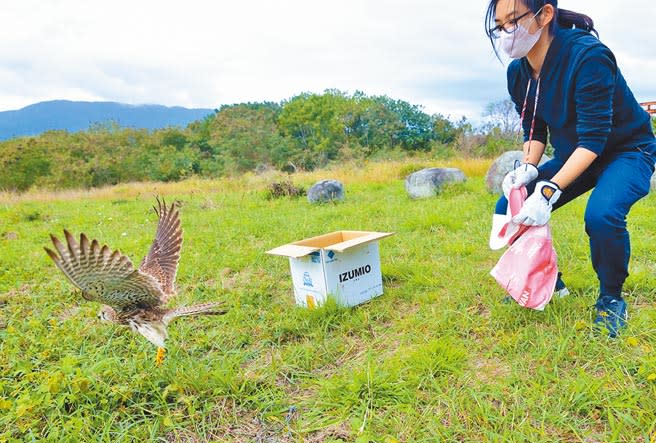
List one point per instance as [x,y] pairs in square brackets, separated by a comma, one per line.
[106,313]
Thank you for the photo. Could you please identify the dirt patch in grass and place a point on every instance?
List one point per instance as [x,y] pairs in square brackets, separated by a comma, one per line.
[233,423]
[183,436]
[10,236]
[68,313]
[24,289]
[489,369]
[338,431]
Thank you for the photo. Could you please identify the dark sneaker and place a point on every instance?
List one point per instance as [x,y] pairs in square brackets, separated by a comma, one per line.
[561,290]
[611,314]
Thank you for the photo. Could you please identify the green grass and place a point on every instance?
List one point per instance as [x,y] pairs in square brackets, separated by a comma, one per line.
[438,357]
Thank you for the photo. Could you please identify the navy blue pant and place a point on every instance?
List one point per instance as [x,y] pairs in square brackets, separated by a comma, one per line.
[618,182]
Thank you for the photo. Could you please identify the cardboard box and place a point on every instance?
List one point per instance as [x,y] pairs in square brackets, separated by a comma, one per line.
[342,264]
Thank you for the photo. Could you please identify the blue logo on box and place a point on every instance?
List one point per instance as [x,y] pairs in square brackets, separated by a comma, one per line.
[331,254]
[307,280]
[315,257]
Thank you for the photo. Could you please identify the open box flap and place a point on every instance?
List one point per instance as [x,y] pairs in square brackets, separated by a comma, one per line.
[366,237]
[294,251]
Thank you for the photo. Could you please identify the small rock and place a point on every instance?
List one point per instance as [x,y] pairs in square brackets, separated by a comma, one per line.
[10,236]
[263,168]
[653,182]
[325,191]
[501,166]
[426,183]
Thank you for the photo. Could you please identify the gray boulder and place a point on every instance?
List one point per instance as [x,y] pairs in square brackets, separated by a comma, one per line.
[426,183]
[325,191]
[653,182]
[501,166]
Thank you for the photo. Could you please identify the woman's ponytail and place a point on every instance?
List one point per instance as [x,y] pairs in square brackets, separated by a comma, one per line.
[570,19]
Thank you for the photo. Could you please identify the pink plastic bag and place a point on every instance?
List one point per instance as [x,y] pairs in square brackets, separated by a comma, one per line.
[528,270]
[503,232]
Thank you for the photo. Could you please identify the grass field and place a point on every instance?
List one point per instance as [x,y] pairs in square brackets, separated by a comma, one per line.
[437,358]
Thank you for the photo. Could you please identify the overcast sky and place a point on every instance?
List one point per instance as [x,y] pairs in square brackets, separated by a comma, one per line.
[207,53]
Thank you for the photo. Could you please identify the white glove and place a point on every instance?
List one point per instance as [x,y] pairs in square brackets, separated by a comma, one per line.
[536,210]
[522,175]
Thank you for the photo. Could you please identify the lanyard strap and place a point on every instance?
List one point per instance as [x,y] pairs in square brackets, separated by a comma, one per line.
[535,108]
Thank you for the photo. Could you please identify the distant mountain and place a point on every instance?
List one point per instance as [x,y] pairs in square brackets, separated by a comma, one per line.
[76,116]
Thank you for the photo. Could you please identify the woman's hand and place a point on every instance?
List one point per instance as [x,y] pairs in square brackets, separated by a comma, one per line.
[538,206]
[522,175]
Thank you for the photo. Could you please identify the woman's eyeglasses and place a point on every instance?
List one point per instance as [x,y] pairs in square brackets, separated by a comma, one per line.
[508,27]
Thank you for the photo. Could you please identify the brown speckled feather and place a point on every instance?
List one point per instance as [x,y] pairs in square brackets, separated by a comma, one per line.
[164,254]
[104,276]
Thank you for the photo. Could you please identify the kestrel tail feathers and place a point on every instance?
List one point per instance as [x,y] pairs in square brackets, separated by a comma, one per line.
[199,309]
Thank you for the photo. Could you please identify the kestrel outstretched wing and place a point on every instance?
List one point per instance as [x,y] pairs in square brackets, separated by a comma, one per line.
[104,276]
[164,254]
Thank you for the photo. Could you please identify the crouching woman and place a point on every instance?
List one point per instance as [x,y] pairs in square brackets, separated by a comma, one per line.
[567,87]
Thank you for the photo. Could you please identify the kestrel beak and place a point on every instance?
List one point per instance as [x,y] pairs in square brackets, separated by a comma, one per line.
[159,358]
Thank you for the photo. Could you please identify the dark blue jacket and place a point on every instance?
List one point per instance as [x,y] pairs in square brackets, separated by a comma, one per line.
[584,100]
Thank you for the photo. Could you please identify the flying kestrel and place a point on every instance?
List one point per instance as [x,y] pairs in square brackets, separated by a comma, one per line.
[131,297]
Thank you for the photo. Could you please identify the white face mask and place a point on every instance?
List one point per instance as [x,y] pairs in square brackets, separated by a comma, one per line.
[520,42]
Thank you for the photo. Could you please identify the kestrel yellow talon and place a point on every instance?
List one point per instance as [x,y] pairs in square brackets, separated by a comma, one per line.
[159,359]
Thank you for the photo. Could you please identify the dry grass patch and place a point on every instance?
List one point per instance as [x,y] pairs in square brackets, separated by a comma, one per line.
[353,172]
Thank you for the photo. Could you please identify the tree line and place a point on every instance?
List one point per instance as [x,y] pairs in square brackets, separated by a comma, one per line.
[303,133]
